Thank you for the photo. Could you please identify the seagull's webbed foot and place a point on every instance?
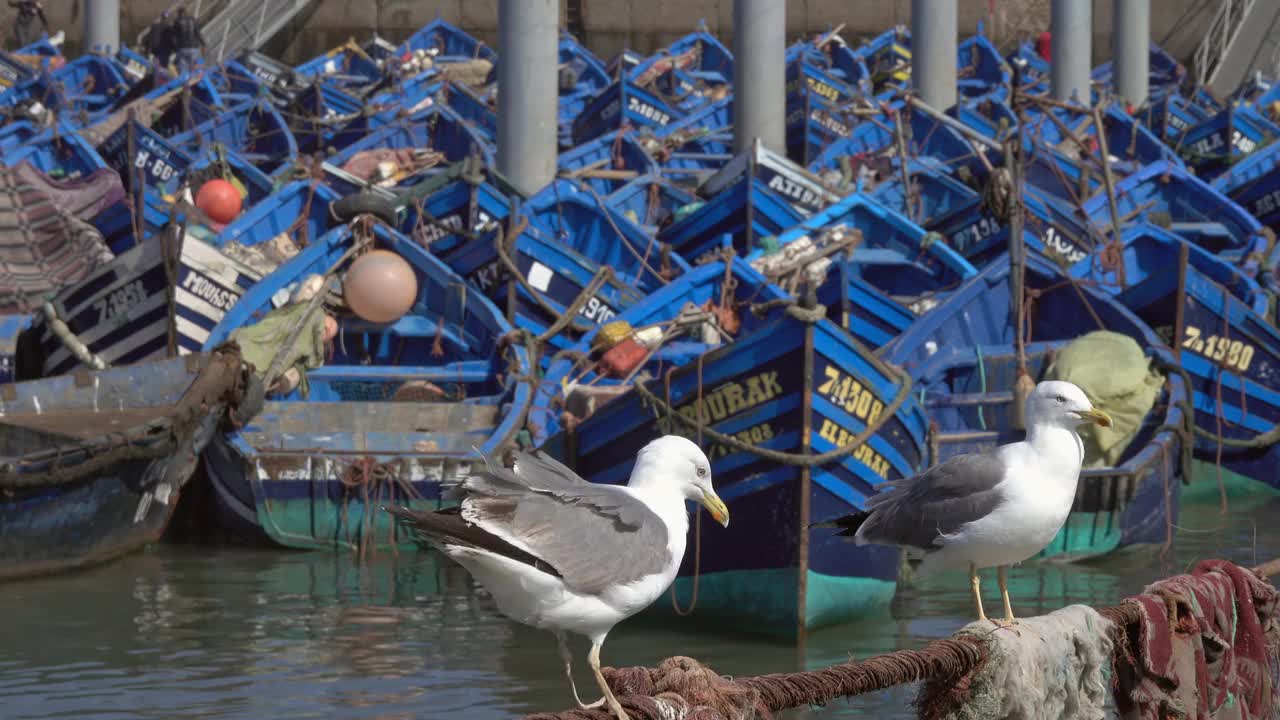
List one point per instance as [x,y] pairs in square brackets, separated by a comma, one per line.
[567,657]
[1003,579]
[593,659]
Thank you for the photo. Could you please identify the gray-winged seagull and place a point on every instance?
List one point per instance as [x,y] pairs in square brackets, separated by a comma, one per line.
[987,509]
[562,554]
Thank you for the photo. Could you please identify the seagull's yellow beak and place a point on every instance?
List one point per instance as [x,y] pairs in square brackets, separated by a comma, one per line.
[1096,415]
[716,507]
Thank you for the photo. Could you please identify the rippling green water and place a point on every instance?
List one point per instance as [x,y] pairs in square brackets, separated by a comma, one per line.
[190,631]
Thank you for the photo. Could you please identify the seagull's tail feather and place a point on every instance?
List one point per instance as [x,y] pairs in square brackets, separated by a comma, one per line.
[848,525]
[446,528]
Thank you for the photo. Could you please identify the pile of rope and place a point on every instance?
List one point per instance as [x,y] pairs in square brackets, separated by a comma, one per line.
[981,671]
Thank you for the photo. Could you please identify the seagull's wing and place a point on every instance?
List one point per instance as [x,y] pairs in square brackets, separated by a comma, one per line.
[916,511]
[594,536]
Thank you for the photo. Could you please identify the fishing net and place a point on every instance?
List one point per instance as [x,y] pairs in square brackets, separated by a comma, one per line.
[1115,375]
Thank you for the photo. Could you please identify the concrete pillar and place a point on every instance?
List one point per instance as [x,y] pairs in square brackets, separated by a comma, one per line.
[528,56]
[759,67]
[1071,22]
[1131,47]
[933,52]
[102,26]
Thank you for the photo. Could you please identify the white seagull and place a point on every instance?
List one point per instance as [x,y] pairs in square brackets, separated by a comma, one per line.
[991,509]
[562,554]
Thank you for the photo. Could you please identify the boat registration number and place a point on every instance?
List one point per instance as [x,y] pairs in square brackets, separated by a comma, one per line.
[647,111]
[1229,353]
[847,392]
[120,301]
[1267,204]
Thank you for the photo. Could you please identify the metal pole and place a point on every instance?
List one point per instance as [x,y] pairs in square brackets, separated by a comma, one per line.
[1131,41]
[528,52]
[1071,23]
[102,26]
[759,66]
[933,56]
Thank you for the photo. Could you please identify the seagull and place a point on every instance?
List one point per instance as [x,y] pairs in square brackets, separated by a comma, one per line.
[995,508]
[565,555]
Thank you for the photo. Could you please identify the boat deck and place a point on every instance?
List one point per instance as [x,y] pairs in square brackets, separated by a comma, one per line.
[369,426]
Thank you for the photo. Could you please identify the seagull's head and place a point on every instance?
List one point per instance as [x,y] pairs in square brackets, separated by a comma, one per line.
[679,460]
[1064,404]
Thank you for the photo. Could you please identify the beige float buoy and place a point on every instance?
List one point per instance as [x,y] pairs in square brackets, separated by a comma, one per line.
[380,287]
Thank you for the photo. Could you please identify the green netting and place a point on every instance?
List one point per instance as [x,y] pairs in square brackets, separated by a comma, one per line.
[1113,372]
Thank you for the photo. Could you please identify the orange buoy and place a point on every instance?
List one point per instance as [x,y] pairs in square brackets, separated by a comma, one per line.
[219,200]
[380,287]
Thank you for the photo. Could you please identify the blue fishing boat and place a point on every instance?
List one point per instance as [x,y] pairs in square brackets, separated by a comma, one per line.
[347,66]
[1191,207]
[323,118]
[608,162]
[446,43]
[1253,183]
[58,152]
[79,88]
[622,103]
[887,57]
[393,409]
[1165,73]
[818,109]
[787,448]
[471,107]
[649,201]
[688,72]
[412,149]
[92,465]
[254,130]
[921,135]
[1214,145]
[964,362]
[578,255]
[895,255]
[582,78]
[695,147]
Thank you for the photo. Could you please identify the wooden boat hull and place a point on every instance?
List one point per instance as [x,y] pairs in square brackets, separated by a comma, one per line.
[103,501]
[788,386]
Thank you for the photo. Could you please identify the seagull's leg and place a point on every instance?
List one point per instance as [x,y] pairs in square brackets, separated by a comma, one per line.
[567,657]
[1002,578]
[975,582]
[593,659]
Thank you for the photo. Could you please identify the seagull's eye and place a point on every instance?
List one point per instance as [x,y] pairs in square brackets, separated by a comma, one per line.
[702,472]
[1060,399]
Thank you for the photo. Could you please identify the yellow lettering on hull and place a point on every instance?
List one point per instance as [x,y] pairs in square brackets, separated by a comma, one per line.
[725,400]
[839,436]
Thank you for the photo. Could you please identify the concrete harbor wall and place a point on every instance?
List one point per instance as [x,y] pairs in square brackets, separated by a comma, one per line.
[608,26]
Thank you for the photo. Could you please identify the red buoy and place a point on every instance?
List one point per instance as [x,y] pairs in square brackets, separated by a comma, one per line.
[1043,45]
[220,200]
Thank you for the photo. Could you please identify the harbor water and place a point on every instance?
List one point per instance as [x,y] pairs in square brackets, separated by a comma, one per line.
[215,632]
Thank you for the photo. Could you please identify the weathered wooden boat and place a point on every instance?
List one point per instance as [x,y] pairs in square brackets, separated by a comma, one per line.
[695,147]
[58,152]
[1171,116]
[787,448]
[689,70]
[818,106]
[393,409]
[469,105]
[887,57]
[348,66]
[921,135]
[963,360]
[93,464]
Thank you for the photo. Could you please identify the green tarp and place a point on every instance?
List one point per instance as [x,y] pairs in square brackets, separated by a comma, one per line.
[260,342]
[1116,376]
